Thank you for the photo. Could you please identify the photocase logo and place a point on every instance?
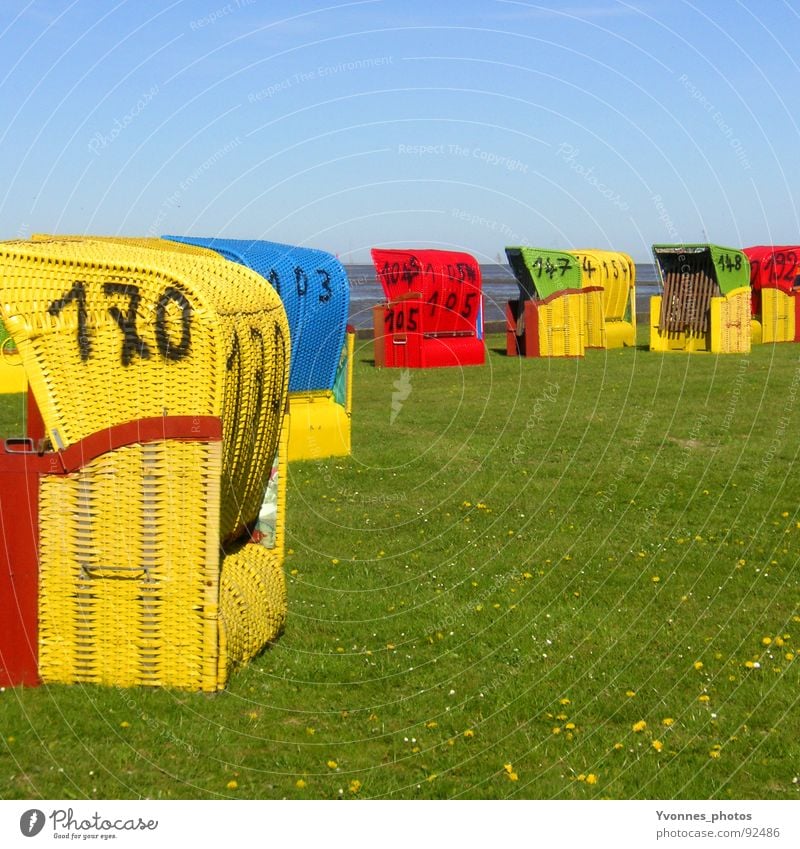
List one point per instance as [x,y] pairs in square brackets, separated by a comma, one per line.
[402,389]
[31,822]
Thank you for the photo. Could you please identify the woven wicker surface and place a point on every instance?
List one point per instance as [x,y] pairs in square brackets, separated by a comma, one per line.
[315,291]
[562,322]
[129,568]
[111,333]
[777,316]
[615,272]
[252,604]
[735,318]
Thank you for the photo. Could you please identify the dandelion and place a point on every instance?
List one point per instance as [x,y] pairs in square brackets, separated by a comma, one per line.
[299,784]
[779,642]
[766,641]
[667,721]
[789,655]
[714,753]
[698,664]
[355,786]
[512,776]
[335,561]
[591,778]
[311,731]
[639,726]
[556,730]
[564,701]
[232,785]
[704,698]
[748,664]
[124,724]
[570,726]
[657,745]
[431,724]
[630,693]
[561,716]
[332,765]
[469,733]
[617,746]
[656,579]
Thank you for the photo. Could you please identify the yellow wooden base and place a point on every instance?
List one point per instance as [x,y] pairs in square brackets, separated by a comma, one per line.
[319,427]
[729,327]
[620,334]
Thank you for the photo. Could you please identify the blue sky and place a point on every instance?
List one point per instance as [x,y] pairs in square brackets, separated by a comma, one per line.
[593,123]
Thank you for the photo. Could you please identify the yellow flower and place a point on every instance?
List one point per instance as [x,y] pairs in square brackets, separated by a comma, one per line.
[714,753]
[766,641]
[564,701]
[570,726]
[639,726]
[299,784]
[657,745]
[232,785]
[698,664]
[124,724]
[749,664]
[469,733]
[591,778]
[512,776]
[789,655]
[667,720]
[779,642]
[355,786]
[561,716]
[556,730]
[335,561]
[704,698]
[630,693]
[617,746]
[431,724]
[332,764]
[655,579]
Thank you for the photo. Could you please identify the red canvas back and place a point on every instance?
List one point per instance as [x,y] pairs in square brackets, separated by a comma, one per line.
[448,284]
[773,266]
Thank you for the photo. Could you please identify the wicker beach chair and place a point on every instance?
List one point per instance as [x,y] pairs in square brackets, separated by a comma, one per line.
[161,380]
[775,288]
[705,305]
[549,319]
[433,313]
[315,291]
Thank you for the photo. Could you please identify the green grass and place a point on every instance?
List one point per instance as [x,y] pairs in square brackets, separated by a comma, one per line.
[530,559]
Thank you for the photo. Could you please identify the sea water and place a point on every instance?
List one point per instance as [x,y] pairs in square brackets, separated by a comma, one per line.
[499,286]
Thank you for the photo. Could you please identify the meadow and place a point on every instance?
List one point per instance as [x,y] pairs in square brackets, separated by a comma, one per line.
[541,579]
